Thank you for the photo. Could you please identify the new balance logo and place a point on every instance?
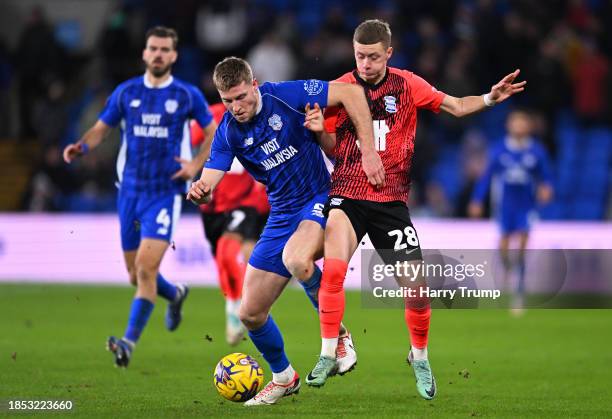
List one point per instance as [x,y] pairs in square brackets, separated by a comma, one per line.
[135,103]
[336,202]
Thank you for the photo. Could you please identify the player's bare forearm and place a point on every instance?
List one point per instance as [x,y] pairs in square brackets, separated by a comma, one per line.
[96,134]
[327,141]
[353,99]
[463,106]
[469,105]
[90,140]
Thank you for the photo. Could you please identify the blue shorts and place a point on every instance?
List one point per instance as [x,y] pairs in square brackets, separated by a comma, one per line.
[516,221]
[150,217]
[268,252]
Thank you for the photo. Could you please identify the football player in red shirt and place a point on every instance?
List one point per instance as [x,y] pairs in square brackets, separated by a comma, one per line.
[233,221]
[356,207]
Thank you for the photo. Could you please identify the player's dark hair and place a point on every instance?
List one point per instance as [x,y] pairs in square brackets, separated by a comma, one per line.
[231,72]
[521,110]
[372,32]
[163,32]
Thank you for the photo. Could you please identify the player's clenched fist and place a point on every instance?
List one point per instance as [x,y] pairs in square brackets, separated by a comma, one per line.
[373,168]
[72,151]
[199,193]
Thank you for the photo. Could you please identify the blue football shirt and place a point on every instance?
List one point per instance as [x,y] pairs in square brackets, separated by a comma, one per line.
[154,125]
[515,173]
[274,147]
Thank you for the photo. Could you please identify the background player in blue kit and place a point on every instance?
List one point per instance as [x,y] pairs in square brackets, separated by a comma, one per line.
[520,172]
[153,167]
[266,129]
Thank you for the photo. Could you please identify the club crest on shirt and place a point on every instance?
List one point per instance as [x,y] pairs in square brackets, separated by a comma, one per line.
[529,160]
[275,122]
[313,87]
[390,104]
[171,105]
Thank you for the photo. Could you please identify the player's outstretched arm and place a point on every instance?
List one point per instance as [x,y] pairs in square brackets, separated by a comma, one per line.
[353,99]
[201,190]
[90,140]
[315,122]
[190,168]
[468,105]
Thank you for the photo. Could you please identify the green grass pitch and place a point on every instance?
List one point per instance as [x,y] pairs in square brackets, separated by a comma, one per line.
[547,363]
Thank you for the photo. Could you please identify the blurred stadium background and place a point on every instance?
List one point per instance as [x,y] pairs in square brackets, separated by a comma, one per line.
[59,59]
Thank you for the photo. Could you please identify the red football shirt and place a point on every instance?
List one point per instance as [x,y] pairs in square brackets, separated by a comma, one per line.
[393,102]
[237,188]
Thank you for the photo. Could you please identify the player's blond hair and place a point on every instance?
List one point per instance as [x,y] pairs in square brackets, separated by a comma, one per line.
[373,31]
[231,72]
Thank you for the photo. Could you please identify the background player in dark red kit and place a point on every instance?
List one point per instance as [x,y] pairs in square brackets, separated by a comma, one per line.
[233,222]
[356,207]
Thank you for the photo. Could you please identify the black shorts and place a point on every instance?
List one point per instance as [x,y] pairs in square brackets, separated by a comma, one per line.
[387,224]
[245,221]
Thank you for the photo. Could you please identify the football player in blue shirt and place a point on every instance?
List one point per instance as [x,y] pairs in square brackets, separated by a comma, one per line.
[267,130]
[520,171]
[153,168]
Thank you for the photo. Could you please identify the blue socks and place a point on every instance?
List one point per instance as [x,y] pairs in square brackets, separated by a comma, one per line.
[165,289]
[312,285]
[139,316]
[269,342]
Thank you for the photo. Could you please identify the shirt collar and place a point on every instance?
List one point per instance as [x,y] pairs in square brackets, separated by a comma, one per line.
[514,145]
[167,83]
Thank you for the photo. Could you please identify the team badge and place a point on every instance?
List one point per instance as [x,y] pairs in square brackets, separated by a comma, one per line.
[135,103]
[313,87]
[275,122]
[390,104]
[529,160]
[171,105]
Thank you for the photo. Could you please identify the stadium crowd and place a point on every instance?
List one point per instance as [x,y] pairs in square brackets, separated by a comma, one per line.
[561,46]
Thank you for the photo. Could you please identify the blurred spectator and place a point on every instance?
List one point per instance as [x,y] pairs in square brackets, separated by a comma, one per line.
[6,74]
[117,50]
[52,182]
[474,161]
[272,59]
[38,59]
[548,85]
[221,29]
[50,114]
[590,84]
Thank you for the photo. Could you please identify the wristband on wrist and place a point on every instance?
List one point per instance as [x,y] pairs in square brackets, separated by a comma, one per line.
[84,148]
[487,100]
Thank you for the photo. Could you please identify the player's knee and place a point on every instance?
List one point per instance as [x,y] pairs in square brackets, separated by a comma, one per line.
[145,273]
[299,266]
[252,320]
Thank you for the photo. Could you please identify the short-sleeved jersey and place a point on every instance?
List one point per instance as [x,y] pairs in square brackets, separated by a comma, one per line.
[237,188]
[393,102]
[275,147]
[154,124]
[515,172]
